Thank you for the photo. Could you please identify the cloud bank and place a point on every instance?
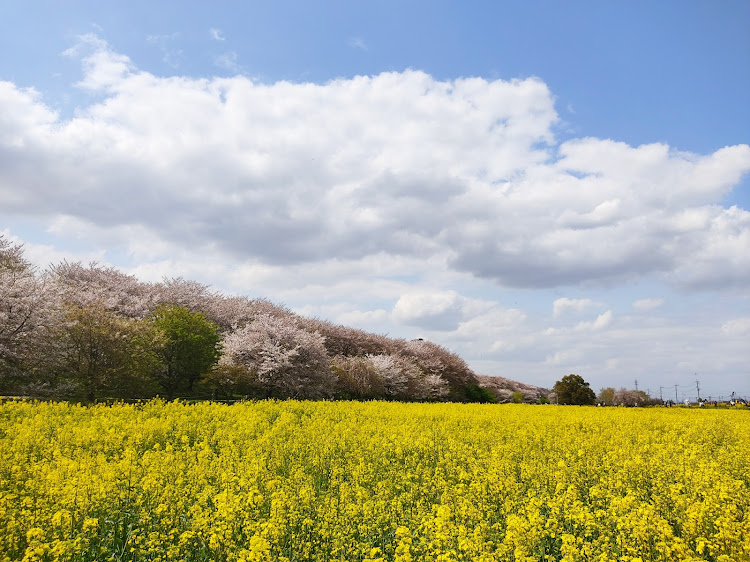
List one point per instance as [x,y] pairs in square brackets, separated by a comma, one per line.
[398,163]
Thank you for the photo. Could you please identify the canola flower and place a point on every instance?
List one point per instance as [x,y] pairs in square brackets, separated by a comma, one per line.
[376,481]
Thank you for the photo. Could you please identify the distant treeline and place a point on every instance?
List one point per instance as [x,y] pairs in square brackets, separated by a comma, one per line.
[88,332]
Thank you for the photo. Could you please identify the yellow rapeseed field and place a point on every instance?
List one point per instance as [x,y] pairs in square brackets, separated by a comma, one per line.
[372,481]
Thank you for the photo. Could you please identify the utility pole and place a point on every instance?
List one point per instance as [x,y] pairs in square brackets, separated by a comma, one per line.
[636,385]
[675,394]
[698,388]
[661,396]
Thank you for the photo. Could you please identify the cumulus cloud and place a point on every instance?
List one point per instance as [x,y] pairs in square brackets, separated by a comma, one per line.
[437,310]
[720,253]
[462,176]
[103,68]
[602,321]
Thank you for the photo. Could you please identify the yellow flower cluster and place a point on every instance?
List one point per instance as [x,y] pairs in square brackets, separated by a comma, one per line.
[309,481]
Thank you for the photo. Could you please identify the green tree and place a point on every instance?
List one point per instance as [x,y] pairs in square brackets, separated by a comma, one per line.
[572,389]
[227,380]
[102,354]
[188,345]
[477,393]
[607,396]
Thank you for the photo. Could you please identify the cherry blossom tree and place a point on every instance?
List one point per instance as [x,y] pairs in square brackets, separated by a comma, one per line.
[346,341]
[102,331]
[626,397]
[355,377]
[389,376]
[191,295]
[394,374]
[116,291]
[232,312]
[445,373]
[289,361]
[27,316]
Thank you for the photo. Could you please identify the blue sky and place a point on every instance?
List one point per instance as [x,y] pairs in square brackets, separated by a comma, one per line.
[543,187]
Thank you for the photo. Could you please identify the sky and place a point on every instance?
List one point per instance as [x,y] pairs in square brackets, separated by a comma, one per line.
[542,187]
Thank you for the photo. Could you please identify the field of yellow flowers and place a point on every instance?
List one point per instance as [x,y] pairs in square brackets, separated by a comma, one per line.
[372,481]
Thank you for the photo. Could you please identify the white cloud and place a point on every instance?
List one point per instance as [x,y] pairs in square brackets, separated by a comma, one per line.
[566,357]
[602,321]
[43,255]
[363,319]
[86,43]
[439,310]
[466,171]
[565,305]
[612,363]
[720,254]
[228,61]
[103,67]
[216,34]
[645,305]
[737,327]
